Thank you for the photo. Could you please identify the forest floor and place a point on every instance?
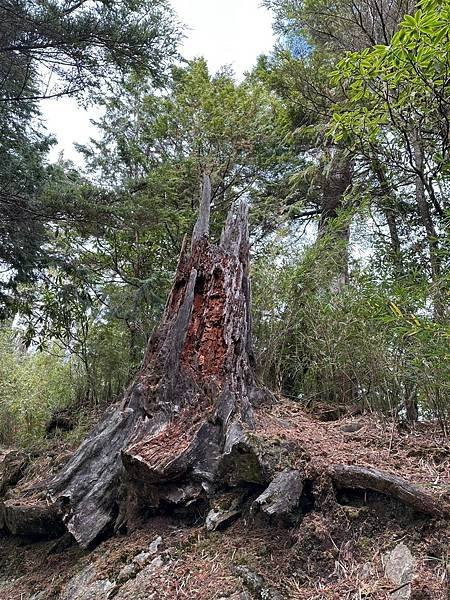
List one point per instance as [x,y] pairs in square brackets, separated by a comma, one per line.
[337,550]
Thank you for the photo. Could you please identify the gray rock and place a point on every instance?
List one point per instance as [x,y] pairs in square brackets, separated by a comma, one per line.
[352,427]
[398,568]
[367,571]
[143,558]
[128,572]
[85,586]
[156,545]
[140,561]
[135,588]
[257,585]
[224,510]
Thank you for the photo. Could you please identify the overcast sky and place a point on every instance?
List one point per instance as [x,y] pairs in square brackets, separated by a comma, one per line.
[225,32]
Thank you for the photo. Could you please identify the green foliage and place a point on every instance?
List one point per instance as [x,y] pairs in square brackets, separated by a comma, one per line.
[343,132]
[118,241]
[81,43]
[51,49]
[34,385]
[399,86]
[357,346]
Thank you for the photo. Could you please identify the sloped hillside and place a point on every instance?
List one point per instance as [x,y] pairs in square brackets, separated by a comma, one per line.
[334,542]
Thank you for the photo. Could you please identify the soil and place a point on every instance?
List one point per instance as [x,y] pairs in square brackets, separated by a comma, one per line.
[334,552]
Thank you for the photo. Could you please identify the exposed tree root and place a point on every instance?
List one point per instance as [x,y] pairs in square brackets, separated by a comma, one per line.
[185,431]
[354,477]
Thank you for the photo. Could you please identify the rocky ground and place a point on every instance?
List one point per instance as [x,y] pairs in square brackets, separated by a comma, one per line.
[347,544]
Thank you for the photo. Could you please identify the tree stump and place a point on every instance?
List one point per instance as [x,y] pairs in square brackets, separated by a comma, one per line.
[184,434]
[182,429]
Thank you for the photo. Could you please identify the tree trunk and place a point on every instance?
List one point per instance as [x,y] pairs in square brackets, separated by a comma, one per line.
[185,431]
[332,224]
[428,224]
[365,478]
[182,429]
[388,208]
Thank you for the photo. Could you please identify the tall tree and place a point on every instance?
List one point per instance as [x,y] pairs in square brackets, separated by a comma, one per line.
[397,110]
[69,46]
[52,49]
[120,245]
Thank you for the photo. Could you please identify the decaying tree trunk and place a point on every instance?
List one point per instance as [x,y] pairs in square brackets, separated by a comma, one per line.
[365,478]
[185,432]
[182,428]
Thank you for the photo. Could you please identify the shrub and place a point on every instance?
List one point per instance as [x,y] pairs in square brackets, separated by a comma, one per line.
[33,386]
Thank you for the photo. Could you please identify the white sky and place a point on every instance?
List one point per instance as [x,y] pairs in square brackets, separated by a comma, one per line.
[225,32]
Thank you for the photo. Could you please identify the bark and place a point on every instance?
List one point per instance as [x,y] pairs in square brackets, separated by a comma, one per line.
[354,477]
[334,187]
[32,519]
[428,223]
[183,427]
[388,204]
[281,500]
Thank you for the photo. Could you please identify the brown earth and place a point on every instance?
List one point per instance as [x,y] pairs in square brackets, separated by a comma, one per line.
[334,553]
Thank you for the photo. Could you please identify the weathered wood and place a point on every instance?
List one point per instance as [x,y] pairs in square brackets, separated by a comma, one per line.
[12,466]
[354,477]
[184,423]
[30,518]
[281,499]
[88,486]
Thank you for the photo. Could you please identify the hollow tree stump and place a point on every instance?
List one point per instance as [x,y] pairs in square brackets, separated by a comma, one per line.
[184,432]
[184,422]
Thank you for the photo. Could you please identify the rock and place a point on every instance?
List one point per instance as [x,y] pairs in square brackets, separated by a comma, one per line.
[140,561]
[351,427]
[128,572]
[38,596]
[257,585]
[398,568]
[157,562]
[85,586]
[367,571]
[156,545]
[135,588]
[144,557]
[12,466]
[281,498]
[225,509]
